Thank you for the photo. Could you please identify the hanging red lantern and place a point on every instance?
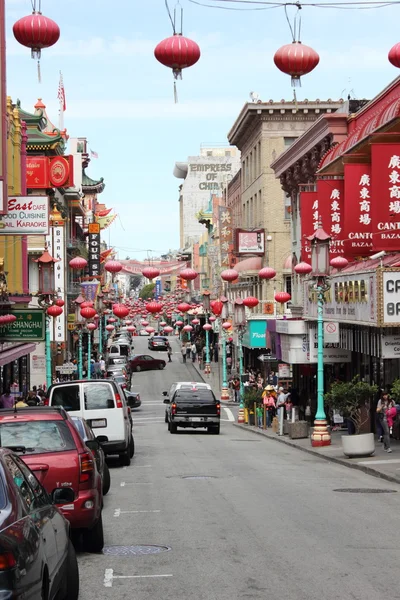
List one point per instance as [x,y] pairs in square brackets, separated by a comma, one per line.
[183,307]
[188,328]
[195,321]
[153,307]
[207,327]
[296,59]
[110,328]
[88,312]
[394,55]
[339,262]
[226,325]
[188,274]
[111,320]
[60,302]
[91,326]
[303,268]
[267,273]
[87,304]
[145,323]
[150,272]
[168,329]
[7,319]
[120,311]
[36,32]
[162,323]
[282,297]
[131,328]
[216,307]
[229,275]
[250,301]
[212,319]
[113,266]
[78,263]
[179,323]
[177,53]
[54,311]
[150,329]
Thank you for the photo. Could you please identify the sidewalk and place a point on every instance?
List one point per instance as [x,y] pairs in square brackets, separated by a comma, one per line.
[383,465]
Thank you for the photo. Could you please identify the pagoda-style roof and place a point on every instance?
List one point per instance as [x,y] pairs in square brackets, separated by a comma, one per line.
[43,136]
[92,186]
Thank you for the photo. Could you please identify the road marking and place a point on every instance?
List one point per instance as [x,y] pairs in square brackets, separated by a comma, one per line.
[109,577]
[124,483]
[229,413]
[118,512]
[380,462]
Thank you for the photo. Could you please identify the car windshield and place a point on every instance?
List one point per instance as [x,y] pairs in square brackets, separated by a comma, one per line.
[194,396]
[37,436]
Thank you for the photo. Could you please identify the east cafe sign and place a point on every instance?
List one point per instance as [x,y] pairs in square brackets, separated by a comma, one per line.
[45,172]
[369,298]
[360,211]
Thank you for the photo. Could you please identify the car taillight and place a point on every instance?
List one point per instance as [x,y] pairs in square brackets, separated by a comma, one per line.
[118,400]
[46,402]
[7,561]
[218,409]
[86,466]
[173,409]
[138,397]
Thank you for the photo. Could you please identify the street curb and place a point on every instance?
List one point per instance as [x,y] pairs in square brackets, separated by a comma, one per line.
[339,461]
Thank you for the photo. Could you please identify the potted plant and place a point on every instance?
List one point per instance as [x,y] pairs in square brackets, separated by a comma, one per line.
[353,400]
[251,396]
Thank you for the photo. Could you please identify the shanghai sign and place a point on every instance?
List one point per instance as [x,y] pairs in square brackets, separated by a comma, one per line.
[29,327]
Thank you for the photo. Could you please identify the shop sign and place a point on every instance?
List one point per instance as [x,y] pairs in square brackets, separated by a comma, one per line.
[94,249]
[290,326]
[250,241]
[390,346]
[358,206]
[309,221]
[29,326]
[254,336]
[37,172]
[225,234]
[38,362]
[390,297]
[332,352]
[56,246]
[283,371]
[331,212]
[385,187]
[349,299]
[59,170]
[44,172]
[295,348]
[26,215]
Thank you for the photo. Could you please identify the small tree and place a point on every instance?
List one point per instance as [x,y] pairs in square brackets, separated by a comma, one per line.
[147,291]
[395,391]
[251,395]
[350,398]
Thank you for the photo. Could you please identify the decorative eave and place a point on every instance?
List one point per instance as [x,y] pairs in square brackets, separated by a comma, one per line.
[42,135]
[204,217]
[92,186]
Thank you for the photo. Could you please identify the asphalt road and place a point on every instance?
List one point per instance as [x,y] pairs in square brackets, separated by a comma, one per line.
[240,517]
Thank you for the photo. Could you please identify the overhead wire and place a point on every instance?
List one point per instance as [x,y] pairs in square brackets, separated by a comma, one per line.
[353,4]
[233,7]
[170,16]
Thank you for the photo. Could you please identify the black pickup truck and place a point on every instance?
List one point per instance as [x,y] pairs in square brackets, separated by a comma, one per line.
[193,407]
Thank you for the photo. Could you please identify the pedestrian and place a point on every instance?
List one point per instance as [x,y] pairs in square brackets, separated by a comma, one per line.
[385,404]
[236,388]
[20,403]
[194,352]
[280,403]
[269,403]
[215,352]
[229,363]
[7,399]
[183,351]
[188,349]
[169,352]
[260,415]
[102,363]
[379,428]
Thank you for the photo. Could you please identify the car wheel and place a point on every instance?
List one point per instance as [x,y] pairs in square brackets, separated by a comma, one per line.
[172,428]
[169,425]
[138,369]
[166,418]
[125,459]
[93,539]
[161,366]
[131,447]
[71,574]
[214,430]
[106,480]
[45,586]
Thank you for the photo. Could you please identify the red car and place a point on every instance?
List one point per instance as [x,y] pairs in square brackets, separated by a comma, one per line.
[49,443]
[145,362]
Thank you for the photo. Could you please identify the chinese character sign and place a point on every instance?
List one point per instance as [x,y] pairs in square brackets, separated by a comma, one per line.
[225,234]
[309,221]
[358,210]
[385,187]
[331,212]
[94,249]
[56,247]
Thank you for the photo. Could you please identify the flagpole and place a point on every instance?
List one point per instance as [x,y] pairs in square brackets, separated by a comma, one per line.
[62,102]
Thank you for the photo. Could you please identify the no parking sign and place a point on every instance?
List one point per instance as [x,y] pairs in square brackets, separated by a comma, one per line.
[331,332]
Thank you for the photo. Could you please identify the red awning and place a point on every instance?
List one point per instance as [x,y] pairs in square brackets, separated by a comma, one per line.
[371,264]
[10,354]
[249,264]
[382,117]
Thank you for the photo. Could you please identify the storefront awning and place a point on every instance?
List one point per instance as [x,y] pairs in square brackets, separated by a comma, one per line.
[249,264]
[11,354]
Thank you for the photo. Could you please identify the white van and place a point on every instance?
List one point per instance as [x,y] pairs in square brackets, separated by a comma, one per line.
[118,349]
[103,405]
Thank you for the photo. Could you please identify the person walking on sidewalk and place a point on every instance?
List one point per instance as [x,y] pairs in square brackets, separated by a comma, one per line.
[269,403]
[385,404]
[188,349]
[183,351]
[194,352]
[236,388]
[169,352]
[260,415]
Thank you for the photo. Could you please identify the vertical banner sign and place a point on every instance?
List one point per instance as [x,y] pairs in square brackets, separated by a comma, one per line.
[309,221]
[358,209]
[225,234]
[157,290]
[385,188]
[55,244]
[331,212]
[94,249]
[90,290]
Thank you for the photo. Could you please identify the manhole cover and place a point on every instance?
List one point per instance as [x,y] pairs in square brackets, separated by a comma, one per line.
[199,477]
[133,550]
[365,491]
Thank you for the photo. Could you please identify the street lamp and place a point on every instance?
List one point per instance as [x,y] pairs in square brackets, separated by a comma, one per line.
[224,315]
[240,322]
[320,271]
[207,327]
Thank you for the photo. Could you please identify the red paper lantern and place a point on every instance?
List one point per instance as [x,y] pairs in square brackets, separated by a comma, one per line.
[212,319]
[145,323]
[216,307]
[113,266]
[149,329]
[7,319]
[78,263]
[394,55]
[188,274]
[303,268]
[54,310]
[229,275]
[207,327]
[339,262]
[131,328]
[111,320]
[267,273]
[179,323]
[60,302]
[296,59]
[282,297]
[153,307]
[195,321]
[36,32]
[188,328]
[150,272]
[120,311]
[86,304]
[250,301]
[91,326]
[177,53]
[110,328]
[88,312]
[183,307]
[162,323]
[168,329]
[226,325]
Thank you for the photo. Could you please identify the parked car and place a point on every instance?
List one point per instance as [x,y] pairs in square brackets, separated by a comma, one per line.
[143,332]
[192,406]
[145,362]
[50,445]
[118,370]
[122,381]
[119,360]
[133,399]
[158,342]
[94,445]
[102,403]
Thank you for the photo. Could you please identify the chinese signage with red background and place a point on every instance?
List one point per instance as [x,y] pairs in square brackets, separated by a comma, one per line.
[309,221]
[330,194]
[358,210]
[225,235]
[385,189]
[43,172]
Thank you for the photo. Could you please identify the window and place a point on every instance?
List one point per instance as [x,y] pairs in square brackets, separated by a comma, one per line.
[199,396]
[288,141]
[288,284]
[98,396]
[41,498]
[26,494]
[66,396]
[37,436]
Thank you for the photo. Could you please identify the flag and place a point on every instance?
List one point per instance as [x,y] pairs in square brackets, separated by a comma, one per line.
[61,94]
[93,154]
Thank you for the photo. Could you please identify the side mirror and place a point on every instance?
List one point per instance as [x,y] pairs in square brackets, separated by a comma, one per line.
[63,496]
[165,393]
[165,401]
[93,445]
[102,439]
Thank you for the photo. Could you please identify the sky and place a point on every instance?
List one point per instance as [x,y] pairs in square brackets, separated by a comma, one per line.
[121,99]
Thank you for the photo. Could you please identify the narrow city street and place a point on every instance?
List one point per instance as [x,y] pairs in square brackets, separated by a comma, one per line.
[237,516]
